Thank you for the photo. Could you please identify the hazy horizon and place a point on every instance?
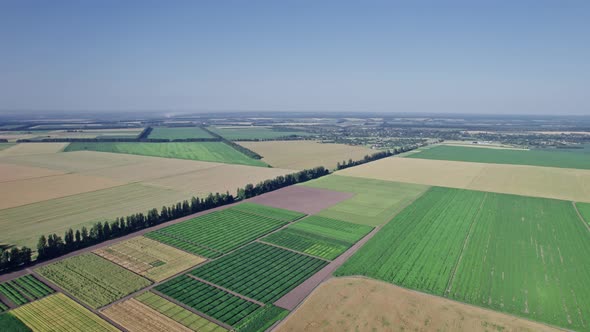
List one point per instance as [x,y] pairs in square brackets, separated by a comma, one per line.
[423,57]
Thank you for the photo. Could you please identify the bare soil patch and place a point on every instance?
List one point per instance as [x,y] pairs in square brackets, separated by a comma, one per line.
[358,304]
[303,199]
[10,172]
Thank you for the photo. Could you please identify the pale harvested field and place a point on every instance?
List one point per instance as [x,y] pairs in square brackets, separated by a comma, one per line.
[9,172]
[485,146]
[33,148]
[13,137]
[219,179]
[357,304]
[306,154]
[149,258]
[92,133]
[27,191]
[135,316]
[549,182]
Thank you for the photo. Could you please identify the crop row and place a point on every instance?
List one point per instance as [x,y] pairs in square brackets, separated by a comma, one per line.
[269,212]
[207,299]
[3,307]
[305,242]
[181,244]
[178,313]
[332,228]
[221,230]
[260,271]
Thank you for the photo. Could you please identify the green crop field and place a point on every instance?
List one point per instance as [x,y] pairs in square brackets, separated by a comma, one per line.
[24,289]
[268,211]
[584,209]
[262,319]
[204,151]
[308,243]
[93,279]
[522,255]
[260,271]
[172,133]
[178,313]
[252,133]
[504,156]
[319,236]
[375,202]
[12,324]
[5,145]
[207,299]
[59,313]
[3,307]
[217,232]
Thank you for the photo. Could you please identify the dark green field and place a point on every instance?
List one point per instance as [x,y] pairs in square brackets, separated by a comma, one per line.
[548,158]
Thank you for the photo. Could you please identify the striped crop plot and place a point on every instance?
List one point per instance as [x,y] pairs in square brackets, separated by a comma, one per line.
[3,307]
[259,271]
[135,316]
[24,289]
[522,255]
[216,233]
[149,258]
[93,279]
[319,236]
[212,301]
[177,313]
[269,211]
[59,313]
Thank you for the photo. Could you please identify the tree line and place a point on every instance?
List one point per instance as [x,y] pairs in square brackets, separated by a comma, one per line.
[375,156]
[238,147]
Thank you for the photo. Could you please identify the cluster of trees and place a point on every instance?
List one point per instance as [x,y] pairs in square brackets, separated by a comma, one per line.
[145,133]
[366,159]
[3,140]
[14,257]
[53,245]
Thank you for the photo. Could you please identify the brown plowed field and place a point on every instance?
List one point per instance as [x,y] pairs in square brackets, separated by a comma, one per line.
[303,199]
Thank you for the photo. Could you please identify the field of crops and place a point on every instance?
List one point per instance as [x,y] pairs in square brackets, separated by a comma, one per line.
[134,316]
[212,301]
[59,313]
[205,151]
[5,145]
[332,228]
[237,133]
[269,211]
[260,271]
[149,258]
[173,133]
[10,323]
[215,233]
[178,313]
[522,255]
[93,279]
[505,156]
[420,246]
[584,209]
[24,289]
[3,307]
[375,202]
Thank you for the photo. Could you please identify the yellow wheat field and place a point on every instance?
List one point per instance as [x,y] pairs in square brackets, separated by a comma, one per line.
[33,148]
[135,316]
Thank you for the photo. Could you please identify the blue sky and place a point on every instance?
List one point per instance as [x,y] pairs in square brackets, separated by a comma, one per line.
[401,56]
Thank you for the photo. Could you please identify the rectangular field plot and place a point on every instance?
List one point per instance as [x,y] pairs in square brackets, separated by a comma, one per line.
[205,151]
[59,313]
[24,289]
[526,256]
[93,279]
[420,246]
[584,209]
[149,258]
[319,236]
[135,316]
[269,211]
[259,271]
[177,313]
[10,323]
[3,307]
[173,133]
[215,233]
[212,301]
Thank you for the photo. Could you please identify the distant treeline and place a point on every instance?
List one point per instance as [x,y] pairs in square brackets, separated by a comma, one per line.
[3,140]
[53,245]
[238,147]
[375,156]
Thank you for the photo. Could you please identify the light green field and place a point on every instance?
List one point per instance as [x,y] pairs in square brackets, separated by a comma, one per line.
[504,156]
[205,151]
[584,209]
[178,133]
[522,255]
[250,133]
[375,202]
[93,279]
[24,224]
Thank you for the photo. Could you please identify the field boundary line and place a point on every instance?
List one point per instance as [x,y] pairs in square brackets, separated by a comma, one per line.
[465,243]
[292,250]
[226,290]
[194,311]
[58,289]
[581,217]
